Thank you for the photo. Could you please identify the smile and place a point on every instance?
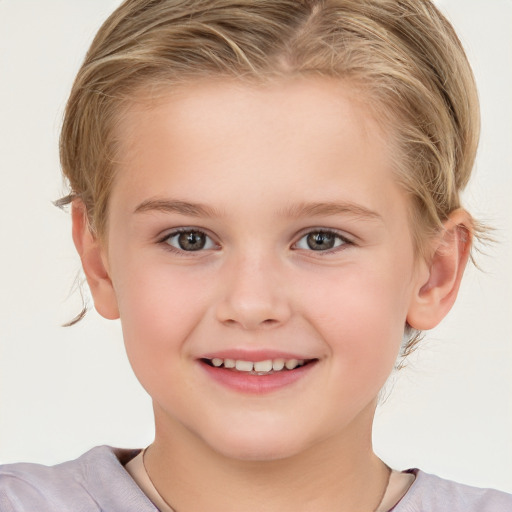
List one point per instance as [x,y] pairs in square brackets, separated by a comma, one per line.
[257,377]
[266,367]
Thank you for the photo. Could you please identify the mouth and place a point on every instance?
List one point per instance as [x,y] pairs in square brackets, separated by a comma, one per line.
[257,371]
[261,368]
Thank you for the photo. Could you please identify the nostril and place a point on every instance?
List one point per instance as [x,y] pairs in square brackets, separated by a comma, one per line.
[269,322]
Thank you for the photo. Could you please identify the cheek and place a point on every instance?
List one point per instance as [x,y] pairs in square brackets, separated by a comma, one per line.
[361,316]
[159,308]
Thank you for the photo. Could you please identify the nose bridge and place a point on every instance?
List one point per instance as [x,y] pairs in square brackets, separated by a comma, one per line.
[253,292]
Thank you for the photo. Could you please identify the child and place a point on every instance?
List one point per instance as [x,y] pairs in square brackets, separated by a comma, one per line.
[267,195]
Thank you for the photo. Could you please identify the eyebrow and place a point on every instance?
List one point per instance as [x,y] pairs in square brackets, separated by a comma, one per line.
[174,206]
[294,211]
[332,208]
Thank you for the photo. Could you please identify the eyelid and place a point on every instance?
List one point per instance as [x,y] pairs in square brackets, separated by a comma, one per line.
[347,240]
[166,235]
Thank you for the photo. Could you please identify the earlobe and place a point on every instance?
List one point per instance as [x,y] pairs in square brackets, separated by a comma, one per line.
[438,286]
[92,255]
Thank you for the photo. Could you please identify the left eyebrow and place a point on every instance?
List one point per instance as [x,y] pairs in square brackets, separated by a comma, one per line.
[332,208]
[173,206]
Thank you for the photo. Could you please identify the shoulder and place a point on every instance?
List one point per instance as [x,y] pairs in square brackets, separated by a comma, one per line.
[429,492]
[94,482]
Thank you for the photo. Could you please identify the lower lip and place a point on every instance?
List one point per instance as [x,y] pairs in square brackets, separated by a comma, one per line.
[246,382]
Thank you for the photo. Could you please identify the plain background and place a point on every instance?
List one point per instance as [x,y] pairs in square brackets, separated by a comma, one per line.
[64,390]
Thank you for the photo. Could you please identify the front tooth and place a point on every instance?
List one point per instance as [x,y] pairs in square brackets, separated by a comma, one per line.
[278,365]
[229,363]
[217,361]
[291,364]
[244,366]
[263,366]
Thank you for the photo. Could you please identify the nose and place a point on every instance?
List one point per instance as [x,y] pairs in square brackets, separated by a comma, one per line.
[254,294]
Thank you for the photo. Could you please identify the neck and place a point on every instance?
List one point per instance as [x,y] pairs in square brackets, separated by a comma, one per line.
[340,473]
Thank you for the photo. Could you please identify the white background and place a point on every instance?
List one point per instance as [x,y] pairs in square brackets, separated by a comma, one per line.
[64,390]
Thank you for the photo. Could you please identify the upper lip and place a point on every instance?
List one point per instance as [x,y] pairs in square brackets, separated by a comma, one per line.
[254,355]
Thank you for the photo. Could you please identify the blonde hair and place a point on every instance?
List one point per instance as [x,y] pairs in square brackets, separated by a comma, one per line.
[402,55]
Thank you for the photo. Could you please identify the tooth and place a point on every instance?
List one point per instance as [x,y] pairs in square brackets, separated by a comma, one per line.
[244,366]
[300,362]
[217,361]
[291,364]
[263,366]
[278,365]
[229,363]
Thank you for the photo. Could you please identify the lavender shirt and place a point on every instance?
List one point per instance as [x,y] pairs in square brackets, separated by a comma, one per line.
[97,481]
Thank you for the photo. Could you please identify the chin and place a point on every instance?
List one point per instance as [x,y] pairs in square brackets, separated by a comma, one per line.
[256,453]
[253,446]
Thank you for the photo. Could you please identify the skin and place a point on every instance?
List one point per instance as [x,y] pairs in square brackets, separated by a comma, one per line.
[254,157]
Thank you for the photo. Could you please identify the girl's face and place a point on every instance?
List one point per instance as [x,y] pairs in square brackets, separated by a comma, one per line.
[258,226]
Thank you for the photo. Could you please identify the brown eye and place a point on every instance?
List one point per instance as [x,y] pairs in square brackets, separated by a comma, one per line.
[191,240]
[321,241]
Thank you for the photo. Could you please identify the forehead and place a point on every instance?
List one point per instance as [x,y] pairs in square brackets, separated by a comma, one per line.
[301,137]
[295,101]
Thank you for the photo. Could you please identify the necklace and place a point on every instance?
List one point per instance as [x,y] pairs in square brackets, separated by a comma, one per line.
[383,494]
[164,506]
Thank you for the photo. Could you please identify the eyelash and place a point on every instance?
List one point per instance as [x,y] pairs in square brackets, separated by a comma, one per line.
[165,241]
[341,240]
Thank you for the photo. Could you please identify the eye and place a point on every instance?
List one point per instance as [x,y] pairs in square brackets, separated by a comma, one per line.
[189,240]
[321,240]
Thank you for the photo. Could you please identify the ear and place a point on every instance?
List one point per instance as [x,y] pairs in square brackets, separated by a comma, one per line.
[439,281]
[94,260]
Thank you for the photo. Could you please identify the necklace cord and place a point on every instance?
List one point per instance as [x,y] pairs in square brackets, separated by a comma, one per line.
[383,494]
[377,509]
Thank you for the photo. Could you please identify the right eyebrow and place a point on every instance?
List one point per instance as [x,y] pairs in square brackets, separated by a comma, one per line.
[173,206]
